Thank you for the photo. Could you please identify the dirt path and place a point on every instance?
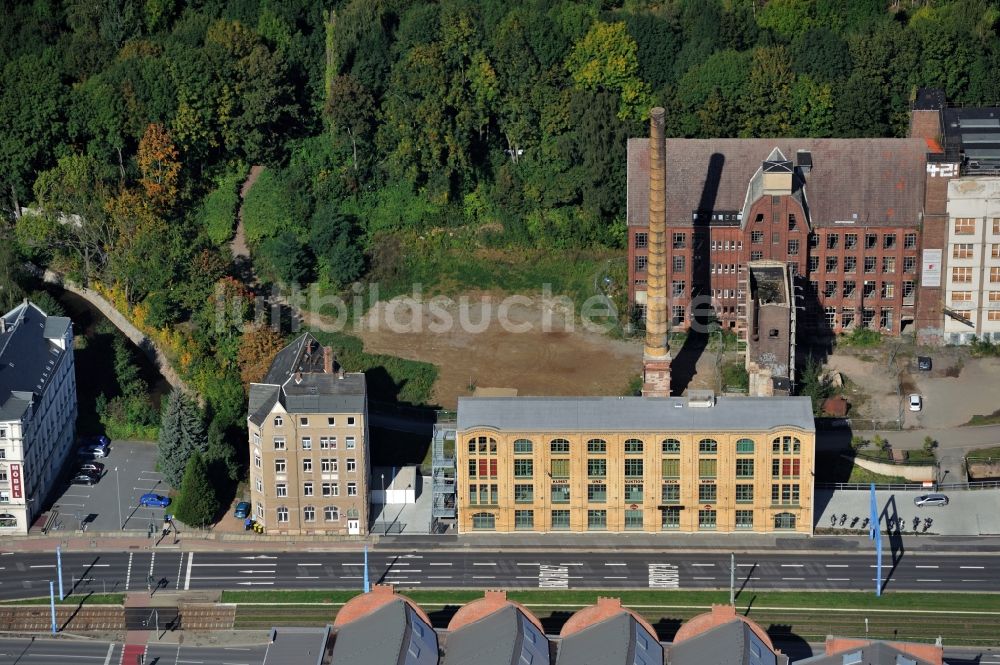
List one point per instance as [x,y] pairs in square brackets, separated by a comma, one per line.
[238,246]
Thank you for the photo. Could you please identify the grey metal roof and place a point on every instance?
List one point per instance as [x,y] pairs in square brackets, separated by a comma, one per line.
[28,357]
[610,642]
[379,638]
[633,414]
[493,640]
[297,646]
[296,378]
[872,181]
[728,644]
[262,399]
[875,653]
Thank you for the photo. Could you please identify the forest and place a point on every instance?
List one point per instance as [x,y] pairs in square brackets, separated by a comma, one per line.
[456,141]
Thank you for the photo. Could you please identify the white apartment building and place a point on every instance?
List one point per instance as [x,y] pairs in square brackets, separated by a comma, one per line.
[37,410]
[972,277]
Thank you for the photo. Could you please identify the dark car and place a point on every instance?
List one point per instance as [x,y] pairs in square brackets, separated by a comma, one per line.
[242,510]
[92,468]
[924,363]
[84,479]
[154,501]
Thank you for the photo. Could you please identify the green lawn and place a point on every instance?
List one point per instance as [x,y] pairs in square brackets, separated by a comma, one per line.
[992,452]
[92,599]
[991,419]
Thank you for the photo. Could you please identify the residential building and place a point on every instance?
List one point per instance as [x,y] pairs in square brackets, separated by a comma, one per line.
[608,634]
[723,637]
[695,463]
[299,646]
[308,430]
[495,631]
[972,279]
[384,628]
[857,651]
[37,411]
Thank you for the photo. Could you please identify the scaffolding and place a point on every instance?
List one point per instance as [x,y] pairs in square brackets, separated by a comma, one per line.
[443,472]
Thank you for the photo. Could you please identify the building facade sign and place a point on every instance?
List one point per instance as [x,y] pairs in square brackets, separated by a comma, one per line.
[930,272]
[16,488]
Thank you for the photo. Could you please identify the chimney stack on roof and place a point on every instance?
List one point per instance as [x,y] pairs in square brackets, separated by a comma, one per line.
[327,360]
[656,353]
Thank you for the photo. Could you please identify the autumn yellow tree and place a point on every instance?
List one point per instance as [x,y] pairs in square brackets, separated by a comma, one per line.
[258,346]
[160,165]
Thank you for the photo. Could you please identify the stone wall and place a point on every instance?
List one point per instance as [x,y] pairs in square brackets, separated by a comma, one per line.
[912,472]
[118,320]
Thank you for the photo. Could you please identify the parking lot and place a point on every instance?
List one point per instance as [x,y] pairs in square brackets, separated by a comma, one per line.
[968,513]
[113,502]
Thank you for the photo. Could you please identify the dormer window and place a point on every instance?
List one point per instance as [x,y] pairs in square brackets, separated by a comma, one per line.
[278,421]
[303,421]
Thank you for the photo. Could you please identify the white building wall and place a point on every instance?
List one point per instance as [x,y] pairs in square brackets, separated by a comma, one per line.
[37,446]
[978,298]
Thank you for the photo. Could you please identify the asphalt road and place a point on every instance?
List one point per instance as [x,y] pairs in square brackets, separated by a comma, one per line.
[86,652]
[28,575]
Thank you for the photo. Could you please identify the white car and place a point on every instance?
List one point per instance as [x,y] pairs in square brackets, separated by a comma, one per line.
[916,402]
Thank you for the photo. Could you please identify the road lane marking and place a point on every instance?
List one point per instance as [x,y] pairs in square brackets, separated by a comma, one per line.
[439,564]
[484,577]
[44,565]
[526,564]
[187,576]
[616,564]
[836,565]
[971,567]
[704,578]
[553,577]
[128,573]
[922,580]
[107,659]
[616,577]
[798,579]
[792,565]
[308,564]
[476,563]
[925,566]
[225,565]
[838,579]
[570,564]
[307,577]
[240,577]
[152,560]
[180,568]
[703,565]
[663,576]
[440,577]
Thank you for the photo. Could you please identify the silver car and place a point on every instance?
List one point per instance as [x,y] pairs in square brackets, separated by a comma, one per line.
[930,500]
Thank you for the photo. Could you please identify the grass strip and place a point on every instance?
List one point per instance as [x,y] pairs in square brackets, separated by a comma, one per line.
[92,599]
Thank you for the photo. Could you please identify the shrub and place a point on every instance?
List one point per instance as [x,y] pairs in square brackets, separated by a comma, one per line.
[218,210]
[272,206]
[862,338]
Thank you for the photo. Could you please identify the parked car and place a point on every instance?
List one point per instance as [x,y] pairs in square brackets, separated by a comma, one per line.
[98,440]
[90,452]
[930,500]
[84,479]
[242,510]
[916,402]
[154,501]
[92,467]
[924,363]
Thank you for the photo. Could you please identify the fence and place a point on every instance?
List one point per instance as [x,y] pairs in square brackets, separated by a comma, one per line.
[911,487]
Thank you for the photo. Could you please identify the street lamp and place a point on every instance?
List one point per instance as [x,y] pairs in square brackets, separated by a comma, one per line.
[384,525]
[118,485]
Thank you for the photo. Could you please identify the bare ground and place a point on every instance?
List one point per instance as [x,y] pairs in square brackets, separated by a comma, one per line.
[564,360]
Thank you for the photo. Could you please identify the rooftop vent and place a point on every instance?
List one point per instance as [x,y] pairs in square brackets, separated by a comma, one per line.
[701,399]
[804,160]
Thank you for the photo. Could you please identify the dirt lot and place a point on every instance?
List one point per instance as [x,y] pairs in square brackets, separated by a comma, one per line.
[514,349]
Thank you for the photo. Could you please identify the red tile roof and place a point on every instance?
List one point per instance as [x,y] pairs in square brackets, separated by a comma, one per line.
[605,609]
[485,606]
[366,603]
[720,614]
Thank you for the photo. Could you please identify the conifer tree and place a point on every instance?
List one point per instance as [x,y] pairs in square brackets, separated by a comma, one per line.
[198,503]
[182,433]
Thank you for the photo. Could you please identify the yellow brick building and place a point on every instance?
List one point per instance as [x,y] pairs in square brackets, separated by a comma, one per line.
[613,464]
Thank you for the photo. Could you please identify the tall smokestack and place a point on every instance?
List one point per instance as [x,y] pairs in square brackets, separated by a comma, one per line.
[656,354]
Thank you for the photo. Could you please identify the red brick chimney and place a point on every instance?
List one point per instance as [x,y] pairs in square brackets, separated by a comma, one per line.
[327,360]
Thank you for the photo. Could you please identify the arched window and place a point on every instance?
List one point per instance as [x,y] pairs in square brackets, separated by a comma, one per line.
[671,446]
[559,446]
[7,520]
[597,446]
[744,447]
[784,521]
[484,521]
[708,446]
[633,446]
[523,447]
[482,445]
[786,445]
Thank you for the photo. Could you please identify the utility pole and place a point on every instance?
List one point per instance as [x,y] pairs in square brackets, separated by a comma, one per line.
[52,605]
[732,578]
[62,595]
[118,485]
